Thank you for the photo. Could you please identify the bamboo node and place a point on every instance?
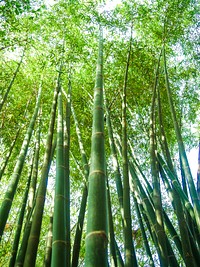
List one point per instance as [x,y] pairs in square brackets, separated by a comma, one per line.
[101,234]
[59,196]
[98,133]
[61,166]
[98,171]
[59,241]
[99,107]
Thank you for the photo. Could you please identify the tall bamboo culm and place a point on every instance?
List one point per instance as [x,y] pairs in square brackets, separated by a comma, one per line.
[185,164]
[129,252]
[186,247]
[96,238]
[33,241]
[81,216]
[9,195]
[59,215]
[67,171]
[198,174]
[13,79]
[159,226]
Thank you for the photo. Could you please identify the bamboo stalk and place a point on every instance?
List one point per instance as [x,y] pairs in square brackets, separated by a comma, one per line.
[186,167]
[20,221]
[59,215]
[81,216]
[13,79]
[33,241]
[129,252]
[97,222]
[9,195]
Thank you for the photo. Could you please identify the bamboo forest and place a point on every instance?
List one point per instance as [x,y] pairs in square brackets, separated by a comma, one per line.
[99,113]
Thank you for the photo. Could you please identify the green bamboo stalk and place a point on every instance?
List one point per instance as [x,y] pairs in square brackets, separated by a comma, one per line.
[137,195]
[81,216]
[163,142]
[186,250]
[96,238]
[30,207]
[115,162]
[185,240]
[120,262]
[134,163]
[20,221]
[27,227]
[184,182]
[113,256]
[12,145]
[198,174]
[159,226]
[186,167]
[195,248]
[116,169]
[22,251]
[146,199]
[6,160]
[177,186]
[130,257]
[59,215]
[148,207]
[147,222]
[67,171]
[13,79]
[172,258]
[9,195]
[146,204]
[35,169]
[144,236]
[167,221]
[173,233]
[81,147]
[188,208]
[48,250]
[33,241]
[79,228]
